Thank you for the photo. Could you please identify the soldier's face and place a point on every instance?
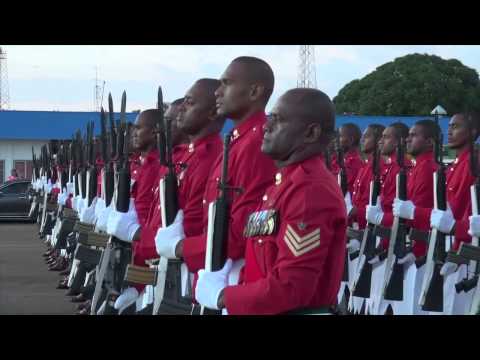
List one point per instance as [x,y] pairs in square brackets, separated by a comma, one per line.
[233,96]
[345,139]
[388,142]
[368,141]
[459,133]
[172,115]
[196,111]
[416,141]
[283,133]
[143,134]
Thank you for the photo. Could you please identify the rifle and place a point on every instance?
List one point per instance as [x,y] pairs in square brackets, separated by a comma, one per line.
[362,283]
[81,173]
[120,249]
[92,168]
[63,156]
[113,134]
[431,295]
[161,129]
[343,183]
[397,249]
[108,173]
[471,281]
[218,223]
[328,160]
[35,167]
[342,175]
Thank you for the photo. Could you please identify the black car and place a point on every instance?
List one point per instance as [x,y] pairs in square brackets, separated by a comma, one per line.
[15,200]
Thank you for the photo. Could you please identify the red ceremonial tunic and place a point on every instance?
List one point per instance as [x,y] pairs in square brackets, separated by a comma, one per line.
[361,192]
[459,180]
[248,169]
[194,165]
[353,164]
[388,190]
[300,265]
[145,170]
[420,192]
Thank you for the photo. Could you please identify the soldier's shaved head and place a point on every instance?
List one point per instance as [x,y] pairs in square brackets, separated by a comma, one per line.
[149,117]
[246,86]
[144,130]
[198,115]
[312,105]
[353,131]
[177,102]
[258,71]
[301,125]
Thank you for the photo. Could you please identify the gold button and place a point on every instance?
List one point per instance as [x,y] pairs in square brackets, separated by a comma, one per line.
[260,241]
[265,197]
[204,201]
[254,129]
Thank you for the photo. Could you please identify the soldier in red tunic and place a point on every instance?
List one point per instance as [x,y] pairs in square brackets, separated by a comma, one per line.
[420,142]
[296,238]
[349,141]
[246,86]
[361,185]
[375,214]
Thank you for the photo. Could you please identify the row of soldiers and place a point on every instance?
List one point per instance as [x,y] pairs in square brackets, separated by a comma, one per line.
[175,222]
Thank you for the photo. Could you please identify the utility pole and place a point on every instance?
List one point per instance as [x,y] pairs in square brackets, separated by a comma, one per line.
[307,74]
[4,93]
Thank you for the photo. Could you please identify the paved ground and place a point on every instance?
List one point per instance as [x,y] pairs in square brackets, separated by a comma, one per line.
[26,285]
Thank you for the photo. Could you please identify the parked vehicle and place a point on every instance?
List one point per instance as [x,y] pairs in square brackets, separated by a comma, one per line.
[15,200]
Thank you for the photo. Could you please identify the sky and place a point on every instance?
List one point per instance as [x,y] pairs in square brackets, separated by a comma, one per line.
[62,77]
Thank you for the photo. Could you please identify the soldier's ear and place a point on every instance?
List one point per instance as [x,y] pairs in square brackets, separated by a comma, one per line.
[313,133]
[256,91]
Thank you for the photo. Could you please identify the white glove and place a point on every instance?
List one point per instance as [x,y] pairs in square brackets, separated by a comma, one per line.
[103,217]
[442,220]
[70,188]
[127,298]
[123,225]
[448,268]
[474,229]
[403,209]
[62,198]
[374,260]
[210,284]
[83,205]
[407,259]
[99,207]
[74,202]
[374,214]
[167,238]
[353,245]
[88,213]
[348,202]
[48,187]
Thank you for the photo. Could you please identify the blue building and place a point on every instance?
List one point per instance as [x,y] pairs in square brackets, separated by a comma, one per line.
[20,130]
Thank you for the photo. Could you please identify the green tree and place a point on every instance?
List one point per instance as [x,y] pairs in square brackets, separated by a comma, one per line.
[412,85]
